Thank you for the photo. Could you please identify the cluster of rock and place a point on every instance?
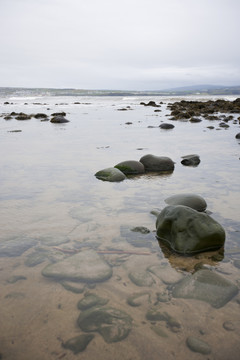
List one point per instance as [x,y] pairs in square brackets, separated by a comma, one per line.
[147,163]
[189,109]
[58,117]
[185,228]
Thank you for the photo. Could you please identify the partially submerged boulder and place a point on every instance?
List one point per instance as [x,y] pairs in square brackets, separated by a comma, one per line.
[166,126]
[85,266]
[131,167]
[111,174]
[207,286]
[59,119]
[188,231]
[194,201]
[157,163]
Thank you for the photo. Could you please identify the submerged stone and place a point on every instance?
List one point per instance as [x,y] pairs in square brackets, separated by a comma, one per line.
[198,345]
[194,201]
[113,324]
[37,257]
[139,236]
[131,300]
[188,231]
[91,300]
[76,288]
[51,240]
[85,266]
[141,278]
[167,274]
[110,174]
[131,167]
[155,314]
[79,343]
[157,163]
[15,246]
[207,286]
[13,279]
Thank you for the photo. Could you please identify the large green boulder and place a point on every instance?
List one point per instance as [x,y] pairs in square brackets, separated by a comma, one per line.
[188,231]
[111,174]
[207,286]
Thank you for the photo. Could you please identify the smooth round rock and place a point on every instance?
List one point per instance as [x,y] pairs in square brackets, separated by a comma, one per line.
[79,343]
[237,136]
[188,231]
[111,174]
[131,167]
[157,163]
[198,345]
[190,160]
[141,278]
[194,201]
[166,126]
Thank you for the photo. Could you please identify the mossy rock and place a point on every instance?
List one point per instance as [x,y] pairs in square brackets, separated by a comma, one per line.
[111,174]
[114,325]
[131,167]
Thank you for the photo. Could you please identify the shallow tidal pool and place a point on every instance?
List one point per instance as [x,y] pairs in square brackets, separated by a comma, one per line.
[120,301]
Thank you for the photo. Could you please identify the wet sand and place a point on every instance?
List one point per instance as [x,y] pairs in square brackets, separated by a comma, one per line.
[48,188]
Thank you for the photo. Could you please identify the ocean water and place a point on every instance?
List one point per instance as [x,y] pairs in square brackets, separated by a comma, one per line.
[48,191]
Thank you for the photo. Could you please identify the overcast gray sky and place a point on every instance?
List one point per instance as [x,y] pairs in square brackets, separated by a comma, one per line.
[119,44]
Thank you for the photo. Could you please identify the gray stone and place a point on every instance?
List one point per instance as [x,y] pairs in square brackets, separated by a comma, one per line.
[198,345]
[16,246]
[90,300]
[194,201]
[110,174]
[85,266]
[167,274]
[113,324]
[236,263]
[190,160]
[229,326]
[207,286]
[188,231]
[131,167]
[37,257]
[157,163]
[141,278]
[78,343]
[53,240]
[13,279]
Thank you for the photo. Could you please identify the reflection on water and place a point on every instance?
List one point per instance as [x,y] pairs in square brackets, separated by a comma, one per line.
[54,212]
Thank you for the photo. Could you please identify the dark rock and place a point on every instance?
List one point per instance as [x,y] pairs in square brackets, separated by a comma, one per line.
[237,136]
[131,167]
[141,229]
[23,116]
[157,163]
[40,116]
[194,201]
[190,160]
[59,114]
[79,343]
[128,123]
[58,119]
[224,125]
[198,345]
[110,174]
[150,103]
[138,238]
[188,231]
[195,120]
[166,126]
[113,324]
[207,286]
[8,117]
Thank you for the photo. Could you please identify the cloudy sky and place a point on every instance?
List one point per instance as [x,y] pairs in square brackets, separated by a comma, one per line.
[119,44]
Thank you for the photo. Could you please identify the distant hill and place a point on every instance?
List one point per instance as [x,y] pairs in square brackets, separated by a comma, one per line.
[205,89]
